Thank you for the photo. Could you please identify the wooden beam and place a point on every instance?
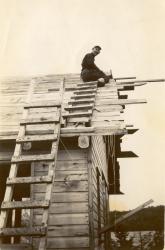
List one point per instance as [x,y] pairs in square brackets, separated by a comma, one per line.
[74,131]
[83,92]
[15,247]
[121,101]
[44,120]
[132,131]
[124,78]
[71,108]
[42,104]
[82,87]
[24,204]
[29,180]
[126,154]
[124,217]
[84,100]
[146,80]
[30,158]
[23,231]
[87,83]
[83,96]
[33,138]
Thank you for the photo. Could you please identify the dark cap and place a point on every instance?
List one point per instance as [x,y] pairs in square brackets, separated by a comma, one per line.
[97,47]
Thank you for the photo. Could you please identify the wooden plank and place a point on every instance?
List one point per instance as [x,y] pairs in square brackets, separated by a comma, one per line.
[94,83]
[126,154]
[44,110]
[30,158]
[64,219]
[88,87]
[24,204]
[132,131]
[84,100]
[65,208]
[15,247]
[72,155]
[71,176]
[66,186]
[67,165]
[23,231]
[33,138]
[7,155]
[68,230]
[65,197]
[41,120]
[73,165]
[83,96]
[70,242]
[99,128]
[87,91]
[125,216]
[71,108]
[29,180]
[80,114]
[121,101]
[90,192]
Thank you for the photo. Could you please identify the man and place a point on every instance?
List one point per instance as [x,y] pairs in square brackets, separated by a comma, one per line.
[90,72]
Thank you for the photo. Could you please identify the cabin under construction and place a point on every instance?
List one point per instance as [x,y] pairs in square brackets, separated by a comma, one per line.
[59,148]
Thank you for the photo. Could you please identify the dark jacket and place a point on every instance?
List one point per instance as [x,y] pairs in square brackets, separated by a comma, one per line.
[88,62]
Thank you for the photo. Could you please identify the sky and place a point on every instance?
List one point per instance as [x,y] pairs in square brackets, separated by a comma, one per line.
[51,37]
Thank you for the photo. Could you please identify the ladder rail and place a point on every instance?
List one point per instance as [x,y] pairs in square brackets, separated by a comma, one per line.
[14,167]
[51,170]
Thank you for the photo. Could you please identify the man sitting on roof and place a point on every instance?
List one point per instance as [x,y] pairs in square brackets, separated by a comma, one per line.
[90,72]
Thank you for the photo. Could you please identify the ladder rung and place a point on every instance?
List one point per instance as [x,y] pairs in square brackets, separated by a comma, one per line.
[79,107]
[24,204]
[82,92]
[15,247]
[87,83]
[88,87]
[83,96]
[43,104]
[41,120]
[30,180]
[85,100]
[78,114]
[23,231]
[30,158]
[32,138]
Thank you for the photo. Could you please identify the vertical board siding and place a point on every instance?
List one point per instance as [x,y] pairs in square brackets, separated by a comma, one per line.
[99,154]
[68,226]
[100,198]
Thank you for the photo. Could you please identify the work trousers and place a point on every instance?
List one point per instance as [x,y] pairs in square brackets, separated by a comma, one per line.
[89,75]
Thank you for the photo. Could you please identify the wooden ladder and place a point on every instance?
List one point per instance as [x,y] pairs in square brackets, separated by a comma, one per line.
[18,158]
[82,103]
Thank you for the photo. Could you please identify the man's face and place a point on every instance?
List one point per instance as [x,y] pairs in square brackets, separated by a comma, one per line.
[96,51]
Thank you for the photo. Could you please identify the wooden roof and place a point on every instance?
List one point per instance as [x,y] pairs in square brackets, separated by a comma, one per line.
[106,115]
